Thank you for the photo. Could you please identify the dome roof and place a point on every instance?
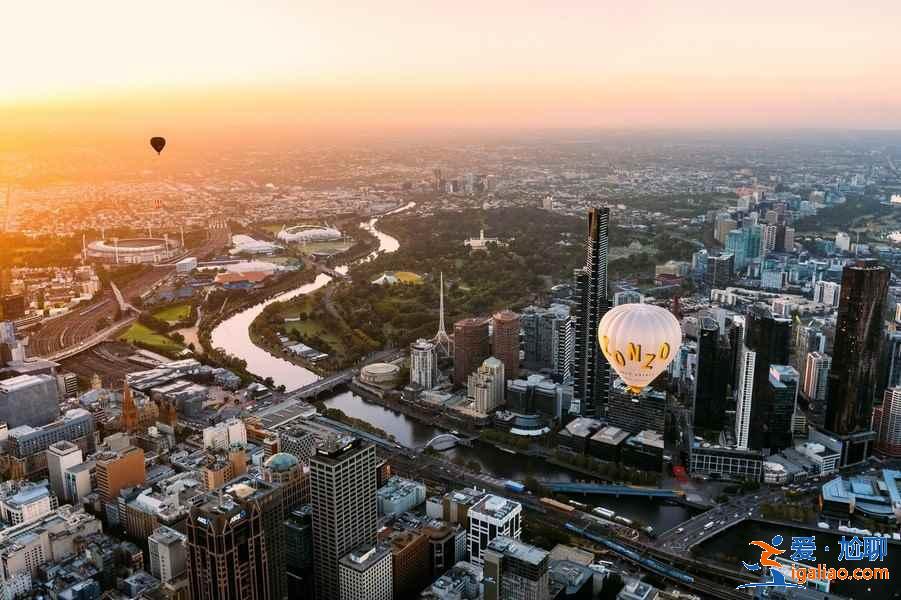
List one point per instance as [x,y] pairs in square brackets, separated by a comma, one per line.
[282,462]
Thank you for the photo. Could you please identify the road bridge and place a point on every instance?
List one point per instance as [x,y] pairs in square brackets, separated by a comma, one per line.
[326,384]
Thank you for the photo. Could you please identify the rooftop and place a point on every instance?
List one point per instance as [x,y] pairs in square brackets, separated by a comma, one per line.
[364,556]
[497,507]
[519,550]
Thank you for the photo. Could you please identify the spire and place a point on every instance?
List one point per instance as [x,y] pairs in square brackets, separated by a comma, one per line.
[129,411]
[441,339]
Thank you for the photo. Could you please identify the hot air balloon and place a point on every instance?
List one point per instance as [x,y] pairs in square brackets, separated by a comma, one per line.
[158,143]
[639,341]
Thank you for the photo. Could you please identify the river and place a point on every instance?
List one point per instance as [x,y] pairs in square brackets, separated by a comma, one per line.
[233,335]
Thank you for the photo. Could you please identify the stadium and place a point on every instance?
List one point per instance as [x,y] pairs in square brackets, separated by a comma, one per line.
[302,234]
[131,251]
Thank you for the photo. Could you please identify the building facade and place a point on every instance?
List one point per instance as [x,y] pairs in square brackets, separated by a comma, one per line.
[505,341]
[345,513]
[591,371]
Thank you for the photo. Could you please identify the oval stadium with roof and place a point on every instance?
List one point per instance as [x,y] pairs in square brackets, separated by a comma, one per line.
[132,250]
[309,233]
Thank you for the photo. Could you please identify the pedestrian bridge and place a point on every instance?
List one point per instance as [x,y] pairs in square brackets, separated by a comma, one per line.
[609,490]
[446,441]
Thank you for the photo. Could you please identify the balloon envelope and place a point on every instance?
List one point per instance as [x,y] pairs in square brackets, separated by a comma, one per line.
[158,143]
[639,341]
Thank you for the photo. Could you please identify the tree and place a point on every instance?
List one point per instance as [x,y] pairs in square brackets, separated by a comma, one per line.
[474,466]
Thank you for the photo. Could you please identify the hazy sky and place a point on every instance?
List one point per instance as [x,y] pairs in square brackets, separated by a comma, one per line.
[421,63]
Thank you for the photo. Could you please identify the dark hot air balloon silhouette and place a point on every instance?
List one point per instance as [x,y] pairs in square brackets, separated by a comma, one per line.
[158,143]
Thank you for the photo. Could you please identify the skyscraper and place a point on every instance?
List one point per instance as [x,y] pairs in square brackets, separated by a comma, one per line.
[758,412]
[737,245]
[486,385]
[858,341]
[505,341]
[548,339]
[236,543]
[816,382]
[345,512]
[471,347]
[714,373]
[423,364]
[887,423]
[591,369]
[719,270]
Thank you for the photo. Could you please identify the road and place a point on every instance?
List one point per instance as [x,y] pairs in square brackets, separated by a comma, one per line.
[679,540]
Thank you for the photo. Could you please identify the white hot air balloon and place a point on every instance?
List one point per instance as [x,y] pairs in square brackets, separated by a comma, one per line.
[639,341]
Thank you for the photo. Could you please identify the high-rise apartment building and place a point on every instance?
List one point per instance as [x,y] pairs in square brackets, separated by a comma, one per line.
[345,512]
[890,362]
[887,423]
[515,571]
[591,380]
[816,382]
[505,341]
[471,347]
[858,342]
[486,385]
[424,364]
[548,339]
[236,543]
[827,292]
[719,271]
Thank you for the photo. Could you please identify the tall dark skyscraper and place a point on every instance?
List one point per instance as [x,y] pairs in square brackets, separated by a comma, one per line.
[592,371]
[472,345]
[768,338]
[236,543]
[345,513]
[715,365]
[856,351]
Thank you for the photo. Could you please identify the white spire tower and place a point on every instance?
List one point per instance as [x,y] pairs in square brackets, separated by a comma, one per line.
[441,339]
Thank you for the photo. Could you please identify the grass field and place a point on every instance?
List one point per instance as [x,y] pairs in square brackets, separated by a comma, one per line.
[145,335]
[408,277]
[174,313]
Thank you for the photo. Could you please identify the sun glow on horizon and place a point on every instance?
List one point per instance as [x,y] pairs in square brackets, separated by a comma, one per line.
[410,64]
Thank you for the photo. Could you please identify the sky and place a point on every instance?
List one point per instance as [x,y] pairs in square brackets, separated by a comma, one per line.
[408,64]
